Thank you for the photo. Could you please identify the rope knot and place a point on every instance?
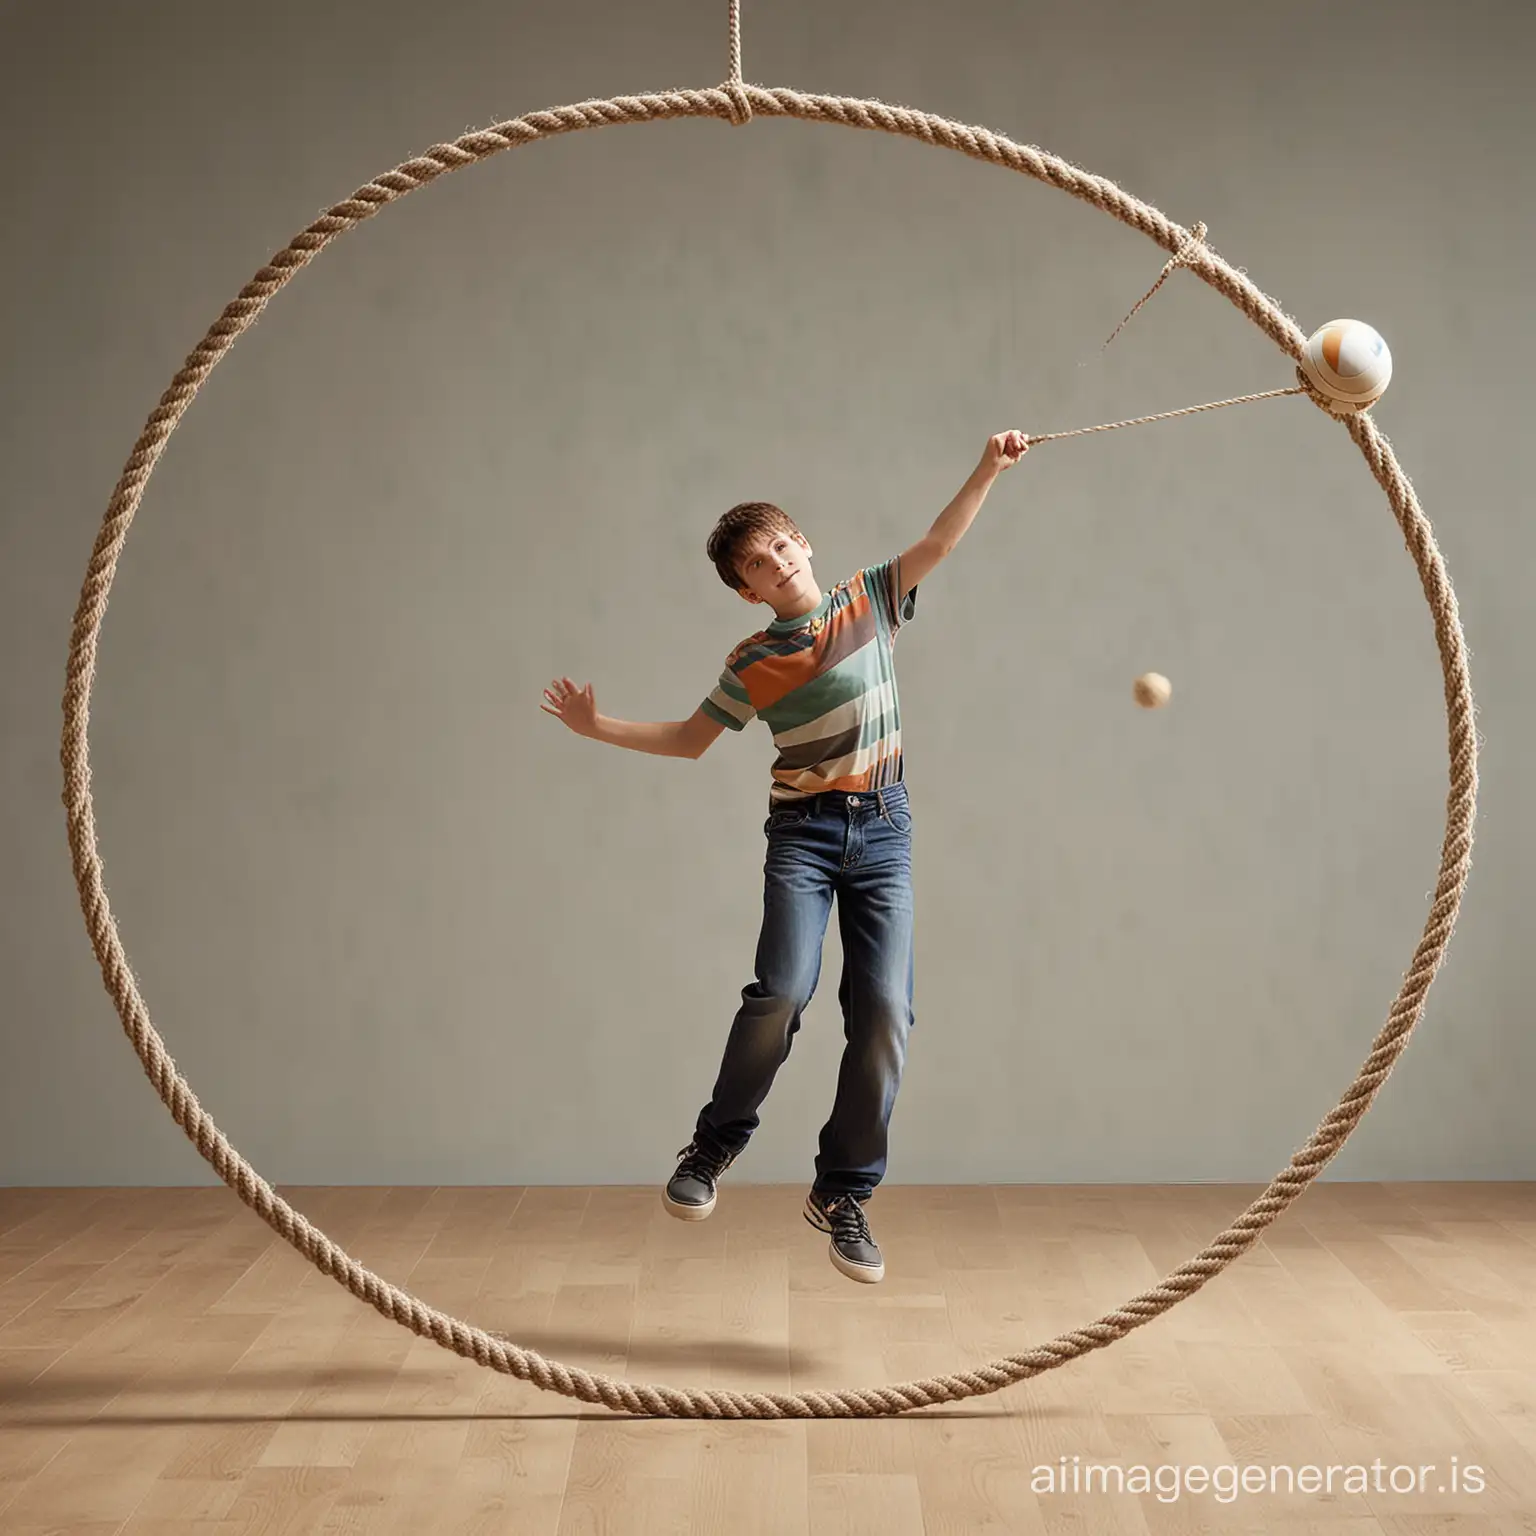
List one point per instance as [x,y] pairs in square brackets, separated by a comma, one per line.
[1335,408]
[738,108]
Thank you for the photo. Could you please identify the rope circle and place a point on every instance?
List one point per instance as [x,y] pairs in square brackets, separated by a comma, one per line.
[735,103]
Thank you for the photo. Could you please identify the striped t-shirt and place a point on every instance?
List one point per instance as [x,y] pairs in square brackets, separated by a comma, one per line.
[825,686]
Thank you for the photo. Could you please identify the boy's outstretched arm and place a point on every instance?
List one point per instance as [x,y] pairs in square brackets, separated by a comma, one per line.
[1003,451]
[576,708]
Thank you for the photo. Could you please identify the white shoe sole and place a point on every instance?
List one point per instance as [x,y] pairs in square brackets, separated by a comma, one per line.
[864,1272]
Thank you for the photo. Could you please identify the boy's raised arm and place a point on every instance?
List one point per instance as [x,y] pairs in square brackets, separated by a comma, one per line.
[1003,451]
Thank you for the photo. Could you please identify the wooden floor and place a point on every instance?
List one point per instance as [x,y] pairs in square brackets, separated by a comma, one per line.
[168,1365]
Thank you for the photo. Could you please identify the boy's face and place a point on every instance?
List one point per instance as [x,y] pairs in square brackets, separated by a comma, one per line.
[775,568]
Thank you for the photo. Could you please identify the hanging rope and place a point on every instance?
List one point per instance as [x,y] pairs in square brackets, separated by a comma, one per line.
[476,1343]
[740,106]
[1179,257]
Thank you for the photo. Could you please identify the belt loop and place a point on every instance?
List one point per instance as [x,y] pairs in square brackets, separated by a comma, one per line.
[880,800]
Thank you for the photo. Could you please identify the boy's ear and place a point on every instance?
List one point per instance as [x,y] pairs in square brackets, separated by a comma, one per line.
[751,597]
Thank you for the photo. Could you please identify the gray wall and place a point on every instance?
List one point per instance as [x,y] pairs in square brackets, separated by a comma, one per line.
[397,925]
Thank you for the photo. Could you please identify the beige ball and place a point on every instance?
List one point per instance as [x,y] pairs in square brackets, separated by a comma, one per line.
[1348,365]
[1152,690]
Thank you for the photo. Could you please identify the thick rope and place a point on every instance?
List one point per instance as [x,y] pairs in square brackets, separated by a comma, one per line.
[475,1343]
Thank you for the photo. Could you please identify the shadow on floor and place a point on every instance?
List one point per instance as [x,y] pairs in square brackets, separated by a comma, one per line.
[64,1398]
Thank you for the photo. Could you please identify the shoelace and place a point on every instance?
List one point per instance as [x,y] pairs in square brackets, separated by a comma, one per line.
[697,1162]
[849,1223]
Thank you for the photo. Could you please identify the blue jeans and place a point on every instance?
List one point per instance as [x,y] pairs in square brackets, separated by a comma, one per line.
[857,847]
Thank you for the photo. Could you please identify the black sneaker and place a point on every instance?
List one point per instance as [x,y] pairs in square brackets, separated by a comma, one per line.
[690,1192]
[853,1249]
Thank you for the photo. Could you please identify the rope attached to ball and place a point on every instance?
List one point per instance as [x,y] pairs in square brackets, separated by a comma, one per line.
[1188,410]
[734,102]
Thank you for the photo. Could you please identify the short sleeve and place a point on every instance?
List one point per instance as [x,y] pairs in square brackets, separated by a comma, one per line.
[882,582]
[728,704]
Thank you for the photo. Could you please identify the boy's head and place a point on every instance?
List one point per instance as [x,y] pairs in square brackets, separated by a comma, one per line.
[760,553]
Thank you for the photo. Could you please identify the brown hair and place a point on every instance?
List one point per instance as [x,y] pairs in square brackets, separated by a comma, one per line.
[744,520]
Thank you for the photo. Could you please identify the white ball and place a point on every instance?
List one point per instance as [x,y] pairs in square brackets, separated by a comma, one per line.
[1152,690]
[1348,363]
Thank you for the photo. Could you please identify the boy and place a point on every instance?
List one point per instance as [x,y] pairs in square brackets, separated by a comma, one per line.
[822,677]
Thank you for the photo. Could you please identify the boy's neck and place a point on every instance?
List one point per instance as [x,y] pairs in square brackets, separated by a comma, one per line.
[802,609]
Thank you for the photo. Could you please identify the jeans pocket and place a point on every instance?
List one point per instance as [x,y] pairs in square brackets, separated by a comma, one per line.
[782,821]
[900,820]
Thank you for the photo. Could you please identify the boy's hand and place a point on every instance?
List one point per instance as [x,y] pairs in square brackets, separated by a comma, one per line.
[1003,451]
[572,705]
